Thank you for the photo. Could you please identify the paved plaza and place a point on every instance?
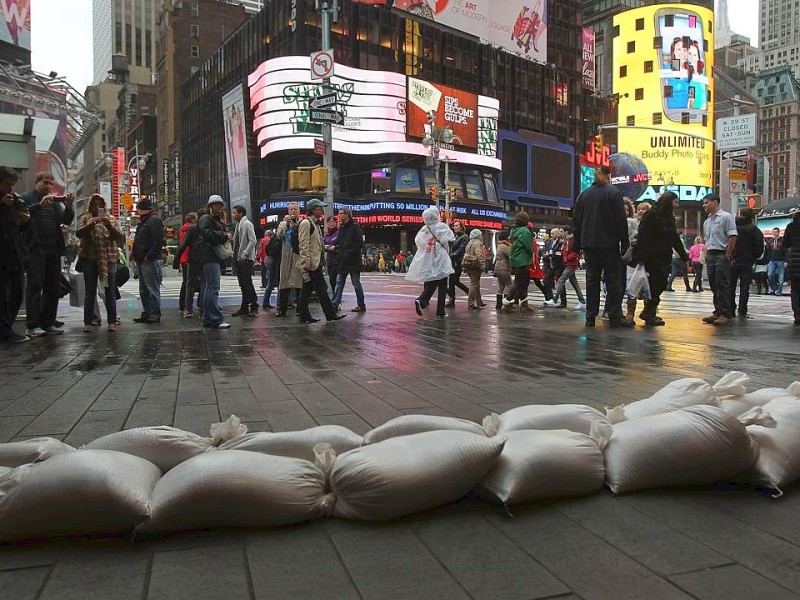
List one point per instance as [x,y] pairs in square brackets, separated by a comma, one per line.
[278,375]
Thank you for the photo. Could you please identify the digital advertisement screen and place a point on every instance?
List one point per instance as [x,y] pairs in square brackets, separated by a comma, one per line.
[455,109]
[661,73]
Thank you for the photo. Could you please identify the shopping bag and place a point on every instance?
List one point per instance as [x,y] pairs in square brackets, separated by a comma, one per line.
[638,285]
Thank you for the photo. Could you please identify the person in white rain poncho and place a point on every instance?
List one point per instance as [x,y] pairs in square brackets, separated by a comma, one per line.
[432,264]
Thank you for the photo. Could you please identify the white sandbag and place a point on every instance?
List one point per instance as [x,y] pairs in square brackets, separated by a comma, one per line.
[411,473]
[694,445]
[738,405]
[14,454]
[681,394]
[163,446]
[574,417]
[297,444]
[234,488]
[229,429]
[545,464]
[778,463]
[76,493]
[411,424]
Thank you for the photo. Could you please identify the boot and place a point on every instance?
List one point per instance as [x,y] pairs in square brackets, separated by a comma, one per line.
[524,307]
[499,304]
[451,301]
[631,309]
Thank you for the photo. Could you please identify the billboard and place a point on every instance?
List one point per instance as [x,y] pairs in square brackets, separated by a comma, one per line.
[118,165]
[15,23]
[517,26]
[454,108]
[374,106]
[663,56]
[236,148]
[588,56]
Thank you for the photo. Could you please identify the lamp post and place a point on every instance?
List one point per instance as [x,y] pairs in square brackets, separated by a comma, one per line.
[433,138]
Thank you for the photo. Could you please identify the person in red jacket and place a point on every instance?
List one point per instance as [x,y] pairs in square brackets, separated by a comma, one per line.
[190,220]
[261,257]
[537,274]
[571,260]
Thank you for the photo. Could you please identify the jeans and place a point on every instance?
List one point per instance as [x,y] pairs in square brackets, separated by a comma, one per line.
[678,268]
[355,279]
[428,288]
[698,275]
[522,279]
[454,282]
[561,285]
[244,275]
[318,284]
[603,263]
[212,315]
[182,297]
[719,274]
[42,293]
[273,277]
[11,287]
[194,283]
[776,274]
[91,279]
[149,290]
[549,280]
[744,275]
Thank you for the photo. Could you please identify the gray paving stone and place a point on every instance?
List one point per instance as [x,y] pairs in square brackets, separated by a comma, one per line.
[291,374]
[288,415]
[643,538]
[11,427]
[389,561]
[34,402]
[117,396]
[23,584]
[585,563]
[101,574]
[267,387]
[370,408]
[200,573]
[732,582]
[460,540]
[317,400]
[395,395]
[197,419]
[453,404]
[95,424]
[240,402]
[351,421]
[297,563]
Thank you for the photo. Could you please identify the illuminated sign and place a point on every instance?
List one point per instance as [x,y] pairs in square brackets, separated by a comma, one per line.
[15,25]
[117,172]
[134,186]
[176,167]
[663,57]
[165,174]
[588,69]
[516,26]
[236,148]
[454,109]
[374,106]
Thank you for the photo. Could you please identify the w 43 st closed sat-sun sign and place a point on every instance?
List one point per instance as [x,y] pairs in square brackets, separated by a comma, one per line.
[736,132]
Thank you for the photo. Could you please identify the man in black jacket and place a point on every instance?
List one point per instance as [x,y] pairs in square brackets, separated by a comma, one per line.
[457,249]
[147,246]
[749,247]
[349,248]
[12,256]
[48,214]
[601,231]
[213,235]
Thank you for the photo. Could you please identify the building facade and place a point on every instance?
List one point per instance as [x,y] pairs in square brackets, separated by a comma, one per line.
[779,37]
[125,27]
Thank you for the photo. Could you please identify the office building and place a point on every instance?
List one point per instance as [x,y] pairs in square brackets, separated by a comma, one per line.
[125,27]
[779,37]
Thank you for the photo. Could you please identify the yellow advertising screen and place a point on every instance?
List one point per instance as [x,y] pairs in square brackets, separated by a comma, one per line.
[663,60]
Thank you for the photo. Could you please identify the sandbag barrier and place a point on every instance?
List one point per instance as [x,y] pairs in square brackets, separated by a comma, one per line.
[155,480]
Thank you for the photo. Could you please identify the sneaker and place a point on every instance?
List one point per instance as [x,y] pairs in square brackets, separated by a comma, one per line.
[551,303]
[710,318]
[188,314]
[441,316]
[53,330]
[722,321]
[581,306]
[507,302]
[222,325]
[253,312]
[623,322]
[418,307]
[589,322]
[336,317]
[359,309]
[15,338]
[35,332]
[59,323]
[240,313]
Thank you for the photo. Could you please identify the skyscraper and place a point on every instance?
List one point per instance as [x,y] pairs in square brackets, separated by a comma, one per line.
[126,27]
[779,37]
[723,25]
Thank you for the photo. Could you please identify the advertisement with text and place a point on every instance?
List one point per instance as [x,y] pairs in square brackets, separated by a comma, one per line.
[454,109]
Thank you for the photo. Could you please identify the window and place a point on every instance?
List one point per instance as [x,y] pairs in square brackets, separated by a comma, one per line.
[631,47]
[195,9]
[630,121]
[195,30]
[648,66]
[195,51]
[623,71]
[639,94]
[195,70]
[639,24]
[658,42]
[657,118]
[615,32]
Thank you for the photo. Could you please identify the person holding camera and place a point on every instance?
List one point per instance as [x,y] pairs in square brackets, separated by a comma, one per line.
[99,256]
[48,214]
[13,216]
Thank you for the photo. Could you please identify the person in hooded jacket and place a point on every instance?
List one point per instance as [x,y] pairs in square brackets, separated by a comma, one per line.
[656,239]
[457,250]
[749,247]
[791,243]
[520,260]
[432,263]
[183,262]
[194,267]
[474,262]
[502,268]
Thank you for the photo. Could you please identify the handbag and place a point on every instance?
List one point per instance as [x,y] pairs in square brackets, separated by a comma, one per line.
[470,263]
[224,251]
[638,284]
[122,276]
[79,265]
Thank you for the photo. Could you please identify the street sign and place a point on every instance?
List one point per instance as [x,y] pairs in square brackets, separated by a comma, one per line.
[738,180]
[326,116]
[320,147]
[739,164]
[322,64]
[734,153]
[736,132]
[324,101]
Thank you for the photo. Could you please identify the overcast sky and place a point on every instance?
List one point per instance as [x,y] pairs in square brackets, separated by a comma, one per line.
[62,35]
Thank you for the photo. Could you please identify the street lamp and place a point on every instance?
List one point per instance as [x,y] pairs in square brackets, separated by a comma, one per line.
[433,138]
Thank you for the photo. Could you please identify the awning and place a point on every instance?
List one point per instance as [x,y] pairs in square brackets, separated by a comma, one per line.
[785,207]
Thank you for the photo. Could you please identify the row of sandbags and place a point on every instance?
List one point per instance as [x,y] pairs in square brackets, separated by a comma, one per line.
[687,433]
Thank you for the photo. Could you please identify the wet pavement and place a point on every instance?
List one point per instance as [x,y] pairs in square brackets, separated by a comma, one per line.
[278,375]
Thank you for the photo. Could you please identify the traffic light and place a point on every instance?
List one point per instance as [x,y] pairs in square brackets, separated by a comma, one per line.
[433,194]
[598,144]
[452,194]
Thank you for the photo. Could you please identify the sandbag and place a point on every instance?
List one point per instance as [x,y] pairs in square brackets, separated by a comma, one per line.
[411,424]
[411,473]
[14,454]
[76,493]
[297,444]
[164,446]
[738,405]
[694,445]
[545,464]
[235,488]
[681,393]
[778,463]
[574,417]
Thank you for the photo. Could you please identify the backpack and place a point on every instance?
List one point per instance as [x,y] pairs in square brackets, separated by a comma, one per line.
[293,235]
[273,248]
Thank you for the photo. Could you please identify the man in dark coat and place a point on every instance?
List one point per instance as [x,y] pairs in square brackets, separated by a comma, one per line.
[749,246]
[349,248]
[147,246]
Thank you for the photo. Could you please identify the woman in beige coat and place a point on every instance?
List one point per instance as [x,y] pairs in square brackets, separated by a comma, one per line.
[502,268]
[474,263]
